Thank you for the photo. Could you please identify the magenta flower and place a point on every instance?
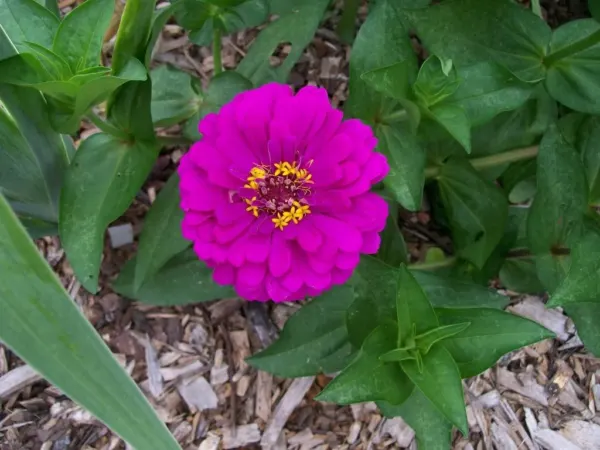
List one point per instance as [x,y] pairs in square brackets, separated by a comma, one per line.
[276,195]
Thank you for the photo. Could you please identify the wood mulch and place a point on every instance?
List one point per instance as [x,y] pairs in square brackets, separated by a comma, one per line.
[189,361]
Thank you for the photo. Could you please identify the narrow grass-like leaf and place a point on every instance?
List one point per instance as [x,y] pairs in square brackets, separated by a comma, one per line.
[43,326]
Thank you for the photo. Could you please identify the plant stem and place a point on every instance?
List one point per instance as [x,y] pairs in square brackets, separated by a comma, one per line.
[536,8]
[486,162]
[450,261]
[347,24]
[106,127]
[573,48]
[217,50]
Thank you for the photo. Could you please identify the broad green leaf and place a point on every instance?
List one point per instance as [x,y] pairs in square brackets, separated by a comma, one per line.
[368,378]
[40,156]
[491,335]
[588,144]
[518,42]
[520,275]
[477,210]
[382,40]
[426,340]
[161,238]
[27,21]
[440,382]
[248,14]
[101,182]
[586,316]
[432,430]
[556,214]
[296,28]
[221,90]
[184,279]
[392,81]
[573,72]
[594,7]
[582,280]
[347,25]
[446,292]
[44,327]
[455,121]
[129,110]
[161,17]
[173,97]
[133,34]
[407,163]
[518,181]
[314,340]
[24,70]
[79,36]
[486,90]
[393,249]
[436,80]
[194,14]
[54,64]
[414,313]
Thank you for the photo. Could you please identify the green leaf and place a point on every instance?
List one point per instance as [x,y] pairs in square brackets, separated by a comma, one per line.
[436,80]
[455,121]
[173,97]
[445,292]
[477,210]
[556,214]
[161,17]
[594,7]
[486,90]
[33,157]
[440,382]
[407,163]
[414,313]
[161,238]
[572,77]
[104,176]
[183,280]
[134,31]
[491,335]
[588,144]
[314,340]
[519,181]
[54,64]
[248,14]
[129,110]
[432,430]
[79,37]
[393,249]
[582,281]
[221,90]
[296,28]
[44,327]
[426,340]
[27,21]
[382,40]
[586,317]
[392,81]
[518,42]
[519,275]
[368,378]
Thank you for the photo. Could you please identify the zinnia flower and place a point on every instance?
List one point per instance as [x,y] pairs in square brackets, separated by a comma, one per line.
[276,194]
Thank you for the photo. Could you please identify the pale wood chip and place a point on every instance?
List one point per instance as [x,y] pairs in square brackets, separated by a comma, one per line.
[501,438]
[551,440]
[198,394]
[399,430]
[242,386]
[152,369]
[284,409]
[224,308]
[533,308]
[243,435]
[241,348]
[264,386]
[17,379]
[524,385]
[182,431]
[211,442]
[219,375]
[354,432]
[172,373]
[584,434]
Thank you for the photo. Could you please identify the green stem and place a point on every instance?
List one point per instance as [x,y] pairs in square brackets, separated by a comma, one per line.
[536,8]
[573,48]
[347,24]
[217,34]
[450,261]
[485,162]
[397,116]
[106,127]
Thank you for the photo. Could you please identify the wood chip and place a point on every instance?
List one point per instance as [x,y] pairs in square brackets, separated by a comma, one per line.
[524,385]
[15,380]
[243,435]
[198,394]
[241,348]
[533,308]
[399,430]
[354,432]
[502,439]
[152,369]
[551,440]
[187,371]
[584,434]
[284,409]
[211,442]
[264,387]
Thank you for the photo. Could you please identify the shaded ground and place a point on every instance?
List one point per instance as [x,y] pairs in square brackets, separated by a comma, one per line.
[541,397]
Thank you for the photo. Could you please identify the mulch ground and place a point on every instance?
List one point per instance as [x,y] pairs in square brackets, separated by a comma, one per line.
[541,397]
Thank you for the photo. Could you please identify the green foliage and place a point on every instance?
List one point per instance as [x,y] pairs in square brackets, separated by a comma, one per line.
[44,326]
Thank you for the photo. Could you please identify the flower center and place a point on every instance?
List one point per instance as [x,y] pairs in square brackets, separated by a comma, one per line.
[280,191]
